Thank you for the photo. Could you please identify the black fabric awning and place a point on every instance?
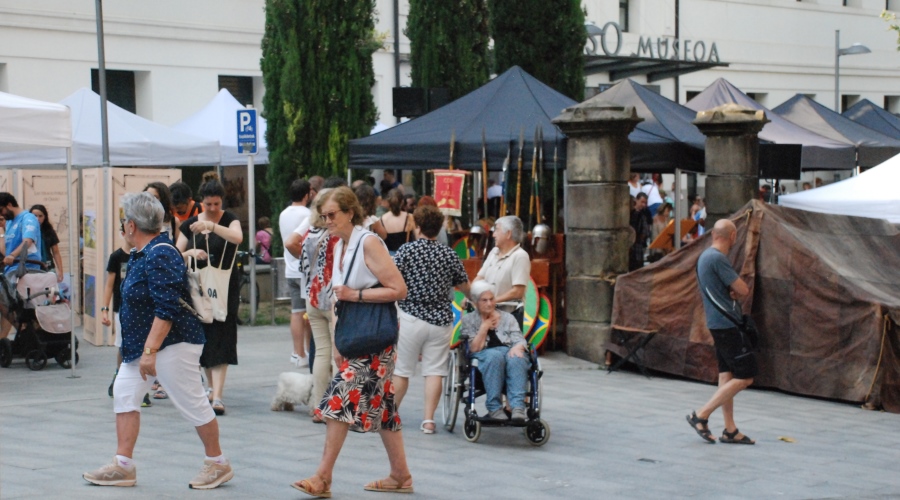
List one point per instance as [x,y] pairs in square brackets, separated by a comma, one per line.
[621,67]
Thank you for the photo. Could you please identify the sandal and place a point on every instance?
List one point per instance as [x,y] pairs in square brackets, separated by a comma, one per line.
[731,438]
[318,420]
[703,431]
[160,394]
[306,486]
[426,430]
[218,407]
[155,385]
[397,487]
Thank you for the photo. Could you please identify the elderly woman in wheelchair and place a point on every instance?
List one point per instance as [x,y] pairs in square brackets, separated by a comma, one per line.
[495,340]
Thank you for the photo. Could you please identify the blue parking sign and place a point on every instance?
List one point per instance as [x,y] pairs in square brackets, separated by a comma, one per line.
[247,139]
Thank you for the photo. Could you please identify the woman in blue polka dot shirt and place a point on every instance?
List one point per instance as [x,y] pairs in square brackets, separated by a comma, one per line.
[161,339]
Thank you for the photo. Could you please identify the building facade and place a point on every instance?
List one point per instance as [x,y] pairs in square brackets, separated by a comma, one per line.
[167,58]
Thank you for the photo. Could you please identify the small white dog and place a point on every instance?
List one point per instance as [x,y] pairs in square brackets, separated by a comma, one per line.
[293,389]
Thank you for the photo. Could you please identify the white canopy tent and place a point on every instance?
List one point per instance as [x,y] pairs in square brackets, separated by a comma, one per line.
[37,126]
[133,141]
[871,194]
[217,121]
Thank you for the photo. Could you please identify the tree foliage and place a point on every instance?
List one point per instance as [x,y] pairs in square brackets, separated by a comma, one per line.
[545,37]
[891,19]
[318,73]
[449,44]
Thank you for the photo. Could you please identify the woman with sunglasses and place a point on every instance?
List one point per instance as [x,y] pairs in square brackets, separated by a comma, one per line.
[361,393]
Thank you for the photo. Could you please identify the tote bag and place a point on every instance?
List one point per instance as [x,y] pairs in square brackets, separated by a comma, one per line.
[203,304]
[214,281]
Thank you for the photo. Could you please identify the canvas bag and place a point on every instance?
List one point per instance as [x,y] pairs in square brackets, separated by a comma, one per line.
[214,281]
[203,304]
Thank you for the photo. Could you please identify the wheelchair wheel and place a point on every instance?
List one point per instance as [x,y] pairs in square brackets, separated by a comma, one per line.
[5,353]
[64,358]
[537,432]
[36,359]
[451,395]
[472,429]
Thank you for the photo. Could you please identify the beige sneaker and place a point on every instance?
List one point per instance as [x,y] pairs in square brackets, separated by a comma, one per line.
[211,476]
[112,475]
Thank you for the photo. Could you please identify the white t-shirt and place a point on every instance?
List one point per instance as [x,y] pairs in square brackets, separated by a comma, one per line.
[632,190]
[495,191]
[290,218]
[652,191]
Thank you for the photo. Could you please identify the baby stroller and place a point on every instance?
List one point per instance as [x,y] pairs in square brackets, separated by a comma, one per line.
[41,317]
[463,385]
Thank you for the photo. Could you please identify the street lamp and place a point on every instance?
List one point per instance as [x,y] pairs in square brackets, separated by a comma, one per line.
[856,48]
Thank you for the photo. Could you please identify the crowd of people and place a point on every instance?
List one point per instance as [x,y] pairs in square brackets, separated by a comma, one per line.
[341,245]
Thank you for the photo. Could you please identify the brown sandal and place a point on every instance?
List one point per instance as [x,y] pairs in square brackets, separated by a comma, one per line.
[306,486]
[398,487]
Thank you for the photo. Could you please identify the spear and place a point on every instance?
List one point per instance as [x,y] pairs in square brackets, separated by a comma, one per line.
[519,175]
[484,172]
[555,181]
[452,143]
[537,178]
[534,161]
[503,177]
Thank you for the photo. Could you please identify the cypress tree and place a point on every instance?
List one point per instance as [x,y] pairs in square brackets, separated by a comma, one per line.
[545,37]
[449,44]
[317,68]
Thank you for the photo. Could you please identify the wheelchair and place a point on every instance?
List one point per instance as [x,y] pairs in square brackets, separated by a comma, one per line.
[463,385]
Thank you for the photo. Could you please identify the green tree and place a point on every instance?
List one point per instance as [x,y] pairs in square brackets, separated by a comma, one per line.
[545,37]
[317,69]
[449,44]
[891,19]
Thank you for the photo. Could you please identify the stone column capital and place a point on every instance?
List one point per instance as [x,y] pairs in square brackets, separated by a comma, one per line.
[731,120]
[597,118]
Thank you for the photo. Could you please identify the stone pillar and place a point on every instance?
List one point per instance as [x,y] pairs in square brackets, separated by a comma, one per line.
[732,158]
[598,210]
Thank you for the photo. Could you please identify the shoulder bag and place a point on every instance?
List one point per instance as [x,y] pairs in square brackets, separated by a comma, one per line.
[747,329]
[364,328]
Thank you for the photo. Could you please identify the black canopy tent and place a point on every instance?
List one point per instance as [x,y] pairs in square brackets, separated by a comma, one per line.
[873,148]
[866,113]
[818,152]
[512,103]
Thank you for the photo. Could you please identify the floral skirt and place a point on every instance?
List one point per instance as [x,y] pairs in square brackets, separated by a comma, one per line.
[362,393]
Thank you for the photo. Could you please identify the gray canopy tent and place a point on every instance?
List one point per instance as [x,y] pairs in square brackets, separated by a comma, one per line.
[866,113]
[872,148]
[818,152]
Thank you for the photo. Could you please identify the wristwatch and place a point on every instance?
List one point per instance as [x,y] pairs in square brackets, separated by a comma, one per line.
[149,350]
[102,309]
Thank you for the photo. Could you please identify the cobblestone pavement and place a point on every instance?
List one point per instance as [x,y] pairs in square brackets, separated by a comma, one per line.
[613,436]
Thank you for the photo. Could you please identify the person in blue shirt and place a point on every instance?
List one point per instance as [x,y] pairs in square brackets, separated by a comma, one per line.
[722,288]
[161,338]
[23,234]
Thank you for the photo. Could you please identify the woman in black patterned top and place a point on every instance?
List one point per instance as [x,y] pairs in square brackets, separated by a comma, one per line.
[430,270]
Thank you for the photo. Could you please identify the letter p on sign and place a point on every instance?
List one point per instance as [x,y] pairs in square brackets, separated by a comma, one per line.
[247,139]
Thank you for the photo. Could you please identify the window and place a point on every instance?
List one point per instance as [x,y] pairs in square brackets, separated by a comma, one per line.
[848,100]
[892,103]
[623,14]
[4,83]
[690,94]
[759,97]
[892,5]
[241,87]
[119,88]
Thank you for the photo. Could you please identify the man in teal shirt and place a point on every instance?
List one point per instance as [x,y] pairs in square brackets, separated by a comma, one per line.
[23,234]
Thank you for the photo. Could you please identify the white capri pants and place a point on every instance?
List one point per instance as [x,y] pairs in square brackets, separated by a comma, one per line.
[178,370]
[421,337]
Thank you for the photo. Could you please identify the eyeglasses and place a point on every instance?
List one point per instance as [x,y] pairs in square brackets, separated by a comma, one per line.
[329,215]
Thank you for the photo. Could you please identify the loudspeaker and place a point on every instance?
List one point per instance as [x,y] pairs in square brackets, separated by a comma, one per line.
[438,97]
[780,161]
[409,102]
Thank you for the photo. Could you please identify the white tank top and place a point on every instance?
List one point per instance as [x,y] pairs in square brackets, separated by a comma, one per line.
[360,276]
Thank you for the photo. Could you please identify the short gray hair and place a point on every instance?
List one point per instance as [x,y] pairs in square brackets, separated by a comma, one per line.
[479,287]
[144,210]
[513,225]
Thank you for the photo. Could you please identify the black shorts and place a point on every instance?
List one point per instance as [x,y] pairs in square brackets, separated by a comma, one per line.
[731,356]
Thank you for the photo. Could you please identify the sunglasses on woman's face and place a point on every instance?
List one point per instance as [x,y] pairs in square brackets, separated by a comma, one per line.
[329,215]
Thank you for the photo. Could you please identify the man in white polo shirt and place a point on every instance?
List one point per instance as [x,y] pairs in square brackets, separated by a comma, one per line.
[290,218]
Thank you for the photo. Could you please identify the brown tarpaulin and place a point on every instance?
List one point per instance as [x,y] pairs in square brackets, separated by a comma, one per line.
[825,296]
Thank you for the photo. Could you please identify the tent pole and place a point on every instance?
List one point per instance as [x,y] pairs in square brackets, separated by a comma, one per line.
[73,248]
[679,207]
